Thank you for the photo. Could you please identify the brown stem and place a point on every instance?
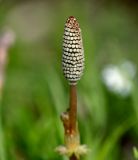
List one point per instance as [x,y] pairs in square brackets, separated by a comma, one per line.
[73,109]
[73,157]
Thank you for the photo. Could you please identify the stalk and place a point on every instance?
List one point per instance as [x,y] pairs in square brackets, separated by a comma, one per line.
[73,157]
[73,108]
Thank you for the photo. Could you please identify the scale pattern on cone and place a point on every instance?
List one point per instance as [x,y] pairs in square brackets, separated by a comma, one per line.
[73,55]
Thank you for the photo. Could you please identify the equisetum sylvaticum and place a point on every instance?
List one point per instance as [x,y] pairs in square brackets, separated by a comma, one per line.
[72,65]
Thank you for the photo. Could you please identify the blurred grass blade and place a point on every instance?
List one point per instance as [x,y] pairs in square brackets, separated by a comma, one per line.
[2,151]
[135,152]
[113,138]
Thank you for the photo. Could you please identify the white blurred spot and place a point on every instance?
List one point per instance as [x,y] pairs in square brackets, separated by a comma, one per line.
[118,79]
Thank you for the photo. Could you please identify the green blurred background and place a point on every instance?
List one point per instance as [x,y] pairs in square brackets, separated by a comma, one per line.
[36,92]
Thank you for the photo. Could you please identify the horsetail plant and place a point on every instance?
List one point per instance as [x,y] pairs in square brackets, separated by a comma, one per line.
[72,65]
